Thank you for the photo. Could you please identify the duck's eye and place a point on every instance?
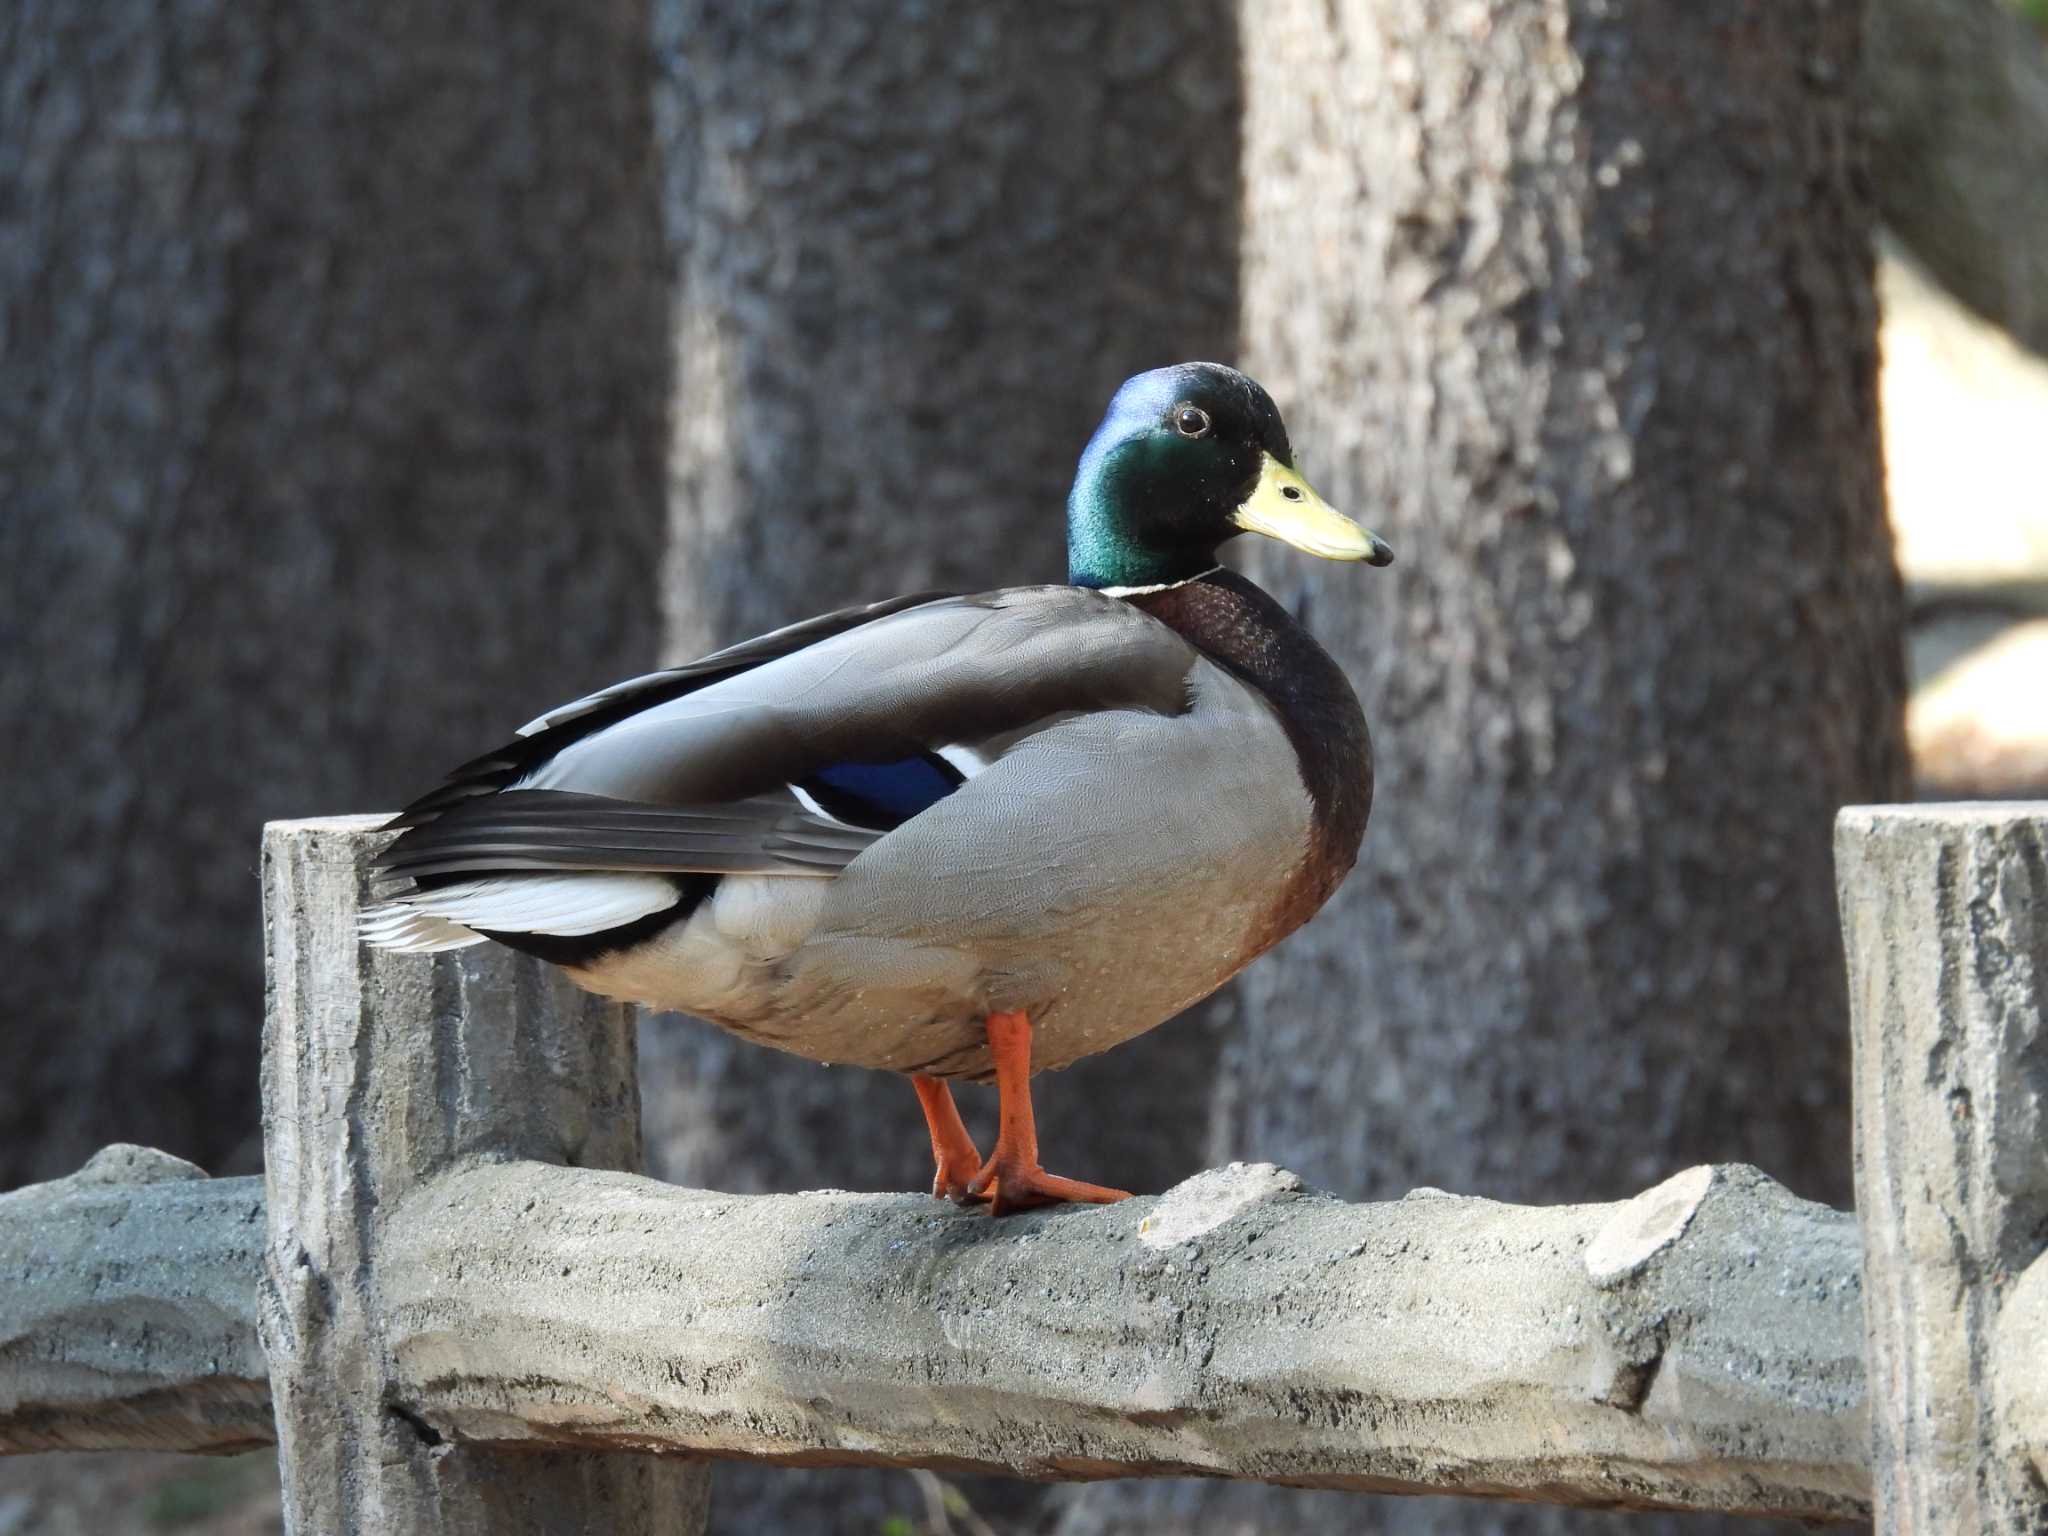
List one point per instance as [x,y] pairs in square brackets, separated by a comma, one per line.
[1190,421]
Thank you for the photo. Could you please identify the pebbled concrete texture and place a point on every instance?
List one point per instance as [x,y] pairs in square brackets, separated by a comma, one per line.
[2020,1388]
[1694,1347]
[1236,1326]
[128,1312]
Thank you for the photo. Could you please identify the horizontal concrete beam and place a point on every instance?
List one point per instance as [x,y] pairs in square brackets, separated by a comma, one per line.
[1698,1347]
[128,1310]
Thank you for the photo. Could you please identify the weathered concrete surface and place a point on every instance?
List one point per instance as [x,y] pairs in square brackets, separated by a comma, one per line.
[1945,915]
[1694,1346]
[2020,1385]
[379,1071]
[1235,1327]
[128,1310]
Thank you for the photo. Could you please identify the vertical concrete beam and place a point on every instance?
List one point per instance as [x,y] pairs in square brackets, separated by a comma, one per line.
[379,1071]
[1945,918]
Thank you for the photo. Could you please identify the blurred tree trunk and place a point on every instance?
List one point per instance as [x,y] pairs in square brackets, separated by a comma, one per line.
[331,446]
[921,246]
[1573,303]
[1958,100]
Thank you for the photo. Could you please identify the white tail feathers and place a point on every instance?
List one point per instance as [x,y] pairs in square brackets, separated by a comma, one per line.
[397,926]
[447,916]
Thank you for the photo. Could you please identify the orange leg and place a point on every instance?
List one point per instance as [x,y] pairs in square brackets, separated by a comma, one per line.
[952,1148]
[1013,1178]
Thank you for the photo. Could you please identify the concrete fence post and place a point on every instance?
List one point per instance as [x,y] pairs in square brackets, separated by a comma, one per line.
[1945,919]
[381,1072]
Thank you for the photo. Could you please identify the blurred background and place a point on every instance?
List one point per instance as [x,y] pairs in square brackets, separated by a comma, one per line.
[372,377]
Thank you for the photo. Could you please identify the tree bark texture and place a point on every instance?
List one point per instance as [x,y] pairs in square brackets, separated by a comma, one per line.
[920,247]
[1572,302]
[1576,306]
[331,447]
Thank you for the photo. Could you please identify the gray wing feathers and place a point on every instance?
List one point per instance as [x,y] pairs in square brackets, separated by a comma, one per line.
[734,658]
[544,830]
[959,671]
[700,782]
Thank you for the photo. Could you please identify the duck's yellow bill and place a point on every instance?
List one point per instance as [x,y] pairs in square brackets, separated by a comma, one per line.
[1283,507]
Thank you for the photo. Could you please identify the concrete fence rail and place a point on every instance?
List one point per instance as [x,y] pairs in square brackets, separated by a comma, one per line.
[455,1309]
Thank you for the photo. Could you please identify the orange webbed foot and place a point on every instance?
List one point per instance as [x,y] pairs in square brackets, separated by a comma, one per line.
[1015,1185]
[1013,1180]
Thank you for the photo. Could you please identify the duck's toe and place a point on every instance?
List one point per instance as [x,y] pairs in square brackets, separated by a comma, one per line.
[1013,1184]
[954,1181]
[954,1154]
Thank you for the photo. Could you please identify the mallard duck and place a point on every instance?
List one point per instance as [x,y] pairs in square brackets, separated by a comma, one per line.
[955,837]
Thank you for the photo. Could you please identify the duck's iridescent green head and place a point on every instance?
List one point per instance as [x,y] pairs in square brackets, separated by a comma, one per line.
[1186,458]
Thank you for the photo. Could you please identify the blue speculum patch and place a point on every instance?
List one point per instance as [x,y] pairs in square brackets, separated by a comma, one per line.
[882,794]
